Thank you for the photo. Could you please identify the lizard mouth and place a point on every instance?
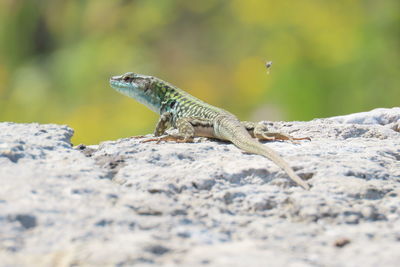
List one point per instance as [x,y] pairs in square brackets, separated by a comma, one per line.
[121,85]
[138,87]
[127,78]
[130,80]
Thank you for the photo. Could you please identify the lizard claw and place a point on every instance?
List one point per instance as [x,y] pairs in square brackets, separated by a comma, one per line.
[137,136]
[169,138]
[294,139]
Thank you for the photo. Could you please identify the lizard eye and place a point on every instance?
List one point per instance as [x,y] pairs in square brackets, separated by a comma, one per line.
[128,77]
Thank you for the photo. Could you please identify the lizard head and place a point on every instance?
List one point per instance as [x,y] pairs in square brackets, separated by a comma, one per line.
[140,87]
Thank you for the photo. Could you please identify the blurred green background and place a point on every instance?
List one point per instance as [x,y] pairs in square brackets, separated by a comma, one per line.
[329,58]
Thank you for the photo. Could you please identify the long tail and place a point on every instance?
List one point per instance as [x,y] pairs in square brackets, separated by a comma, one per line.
[253,146]
[240,137]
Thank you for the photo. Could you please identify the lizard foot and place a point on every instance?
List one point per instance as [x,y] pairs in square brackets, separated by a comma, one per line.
[169,138]
[272,136]
[137,136]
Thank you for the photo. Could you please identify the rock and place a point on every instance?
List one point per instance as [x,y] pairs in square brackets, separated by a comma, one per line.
[379,116]
[205,203]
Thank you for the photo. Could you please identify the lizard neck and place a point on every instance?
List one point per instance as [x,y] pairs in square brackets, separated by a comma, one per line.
[150,98]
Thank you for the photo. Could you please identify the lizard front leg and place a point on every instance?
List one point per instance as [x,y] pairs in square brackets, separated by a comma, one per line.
[187,127]
[162,125]
[261,132]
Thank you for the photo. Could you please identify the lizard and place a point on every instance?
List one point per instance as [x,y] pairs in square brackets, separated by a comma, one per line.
[195,118]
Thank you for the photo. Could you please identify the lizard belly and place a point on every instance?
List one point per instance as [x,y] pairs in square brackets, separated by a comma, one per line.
[204,131]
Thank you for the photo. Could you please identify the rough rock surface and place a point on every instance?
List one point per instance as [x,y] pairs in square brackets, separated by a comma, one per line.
[124,203]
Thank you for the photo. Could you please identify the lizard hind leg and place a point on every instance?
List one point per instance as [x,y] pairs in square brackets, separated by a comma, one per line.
[261,132]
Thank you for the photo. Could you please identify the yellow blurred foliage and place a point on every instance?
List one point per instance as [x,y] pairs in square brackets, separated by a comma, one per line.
[329,58]
[251,79]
